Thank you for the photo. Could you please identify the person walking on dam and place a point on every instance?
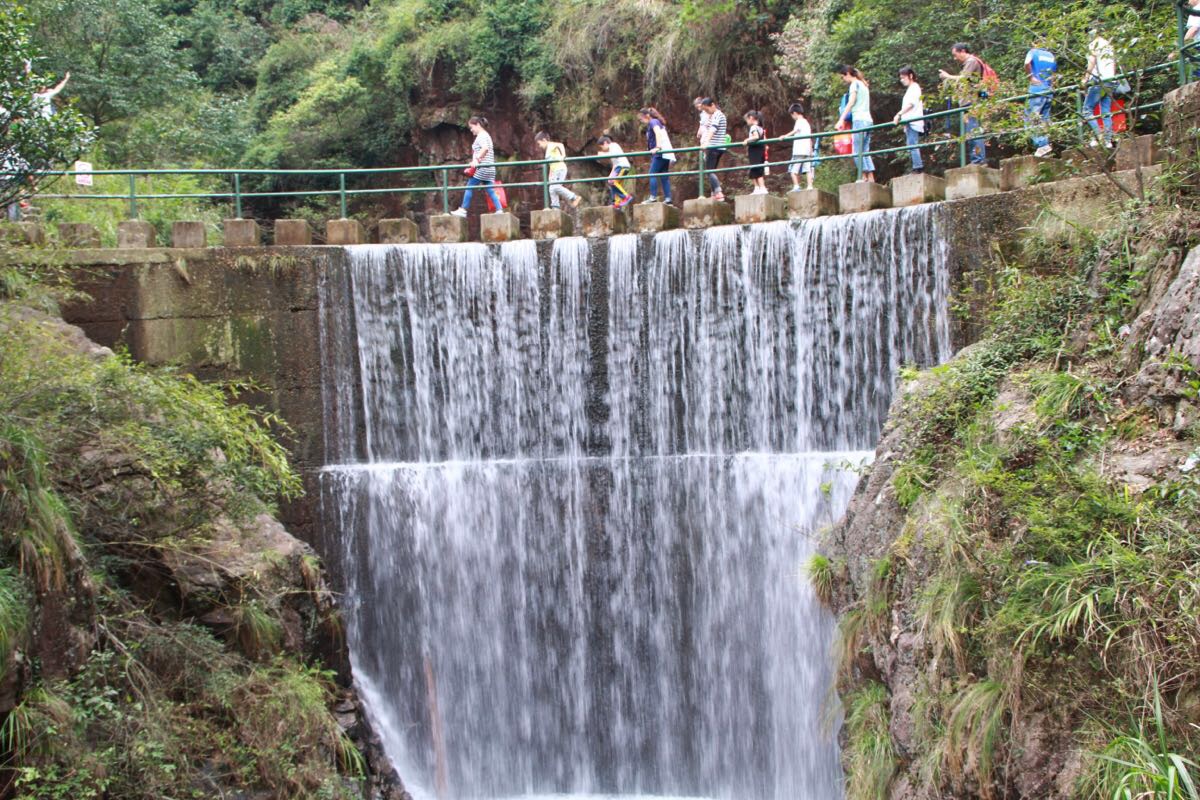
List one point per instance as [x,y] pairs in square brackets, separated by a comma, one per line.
[802,148]
[556,153]
[979,79]
[1041,66]
[715,143]
[756,150]
[856,116]
[658,142]
[620,168]
[912,108]
[482,171]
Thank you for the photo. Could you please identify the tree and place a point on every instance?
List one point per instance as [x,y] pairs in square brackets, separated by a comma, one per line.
[32,137]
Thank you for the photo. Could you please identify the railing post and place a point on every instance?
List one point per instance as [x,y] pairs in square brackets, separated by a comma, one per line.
[445,191]
[962,137]
[859,158]
[700,170]
[237,195]
[342,192]
[133,206]
[1181,18]
[545,185]
[1082,121]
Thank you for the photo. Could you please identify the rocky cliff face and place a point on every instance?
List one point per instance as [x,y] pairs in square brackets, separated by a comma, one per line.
[1016,577]
[163,633]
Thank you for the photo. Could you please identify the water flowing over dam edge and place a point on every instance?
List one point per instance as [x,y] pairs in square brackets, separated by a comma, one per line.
[575,485]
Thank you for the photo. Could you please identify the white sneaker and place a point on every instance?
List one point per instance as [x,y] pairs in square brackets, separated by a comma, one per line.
[795,189]
[649,201]
[760,191]
[459,212]
[1093,143]
[1043,151]
[497,211]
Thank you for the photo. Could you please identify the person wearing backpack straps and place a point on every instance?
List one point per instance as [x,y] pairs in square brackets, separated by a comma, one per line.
[974,71]
[1099,81]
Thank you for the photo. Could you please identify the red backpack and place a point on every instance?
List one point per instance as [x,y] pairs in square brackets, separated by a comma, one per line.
[989,80]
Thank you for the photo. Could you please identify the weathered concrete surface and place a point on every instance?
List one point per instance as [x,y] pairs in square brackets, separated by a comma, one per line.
[448,229]
[242,233]
[136,234]
[78,234]
[854,198]
[974,180]
[503,227]
[704,212]
[751,208]
[1021,171]
[812,203]
[1139,151]
[188,234]
[655,217]
[292,233]
[344,231]
[551,223]
[399,231]
[602,221]
[1181,119]
[913,190]
[23,233]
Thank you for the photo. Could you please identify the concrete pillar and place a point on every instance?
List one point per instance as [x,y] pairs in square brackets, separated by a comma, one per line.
[751,208]
[811,203]
[551,223]
[602,221]
[292,233]
[1086,160]
[399,231]
[1140,151]
[23,233]
[503,227]
[854,198]
[704,212]
[1022,171]
[655,217]
[78,234]
[448,229]
[344,231]
[242,233]
[973,180]
[136,234]
[913,190]
[1181,120]
[188,234]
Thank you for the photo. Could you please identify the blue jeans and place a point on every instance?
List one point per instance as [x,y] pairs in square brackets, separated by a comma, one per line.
[660,166]
[862,143]
[912,138]
[1099,94]
[977,146]
[1037,112]
[472,182]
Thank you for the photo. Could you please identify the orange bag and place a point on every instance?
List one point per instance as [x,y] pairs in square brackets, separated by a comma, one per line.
[843,143]
[498,188]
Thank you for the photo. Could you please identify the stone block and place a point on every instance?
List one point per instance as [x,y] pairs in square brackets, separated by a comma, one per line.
[292,232]
[602,221]
[704,212]
[551,223]
[502,227]
[23,233]
[448,229]
[188,234]
[973,180]
[854,198]
[136,234]
[812,203]
[78,234]
[344,231]
[242,233]
[399,231]
[1086,160]
[1140,151]
[751,208]
[1022,171]
[655,217]
[1181,119]
[913,190]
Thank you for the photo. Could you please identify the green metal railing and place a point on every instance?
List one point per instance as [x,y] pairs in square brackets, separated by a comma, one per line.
[442,173]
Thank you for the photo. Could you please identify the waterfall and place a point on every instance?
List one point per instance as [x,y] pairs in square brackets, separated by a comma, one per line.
[576,485]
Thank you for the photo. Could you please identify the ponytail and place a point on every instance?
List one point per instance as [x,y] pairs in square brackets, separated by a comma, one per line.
[480,121]
[652,112]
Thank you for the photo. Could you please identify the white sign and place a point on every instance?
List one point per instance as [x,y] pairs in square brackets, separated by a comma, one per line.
[83,170]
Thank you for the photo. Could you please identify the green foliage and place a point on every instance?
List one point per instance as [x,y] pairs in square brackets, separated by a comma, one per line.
[821,574]
[14,613]
[31,139]
[1143,764]
[870,755]
[973,733]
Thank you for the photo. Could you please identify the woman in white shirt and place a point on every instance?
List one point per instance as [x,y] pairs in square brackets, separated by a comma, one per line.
[1098,79]
[912,108]
[857,116]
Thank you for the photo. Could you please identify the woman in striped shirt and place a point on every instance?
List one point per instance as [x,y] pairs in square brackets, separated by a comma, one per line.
[714,144]
[482,171]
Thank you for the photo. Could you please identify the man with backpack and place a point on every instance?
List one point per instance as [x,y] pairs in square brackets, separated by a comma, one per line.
[974,71]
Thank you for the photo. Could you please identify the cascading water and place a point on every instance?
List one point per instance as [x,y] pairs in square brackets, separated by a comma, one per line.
[575,498]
